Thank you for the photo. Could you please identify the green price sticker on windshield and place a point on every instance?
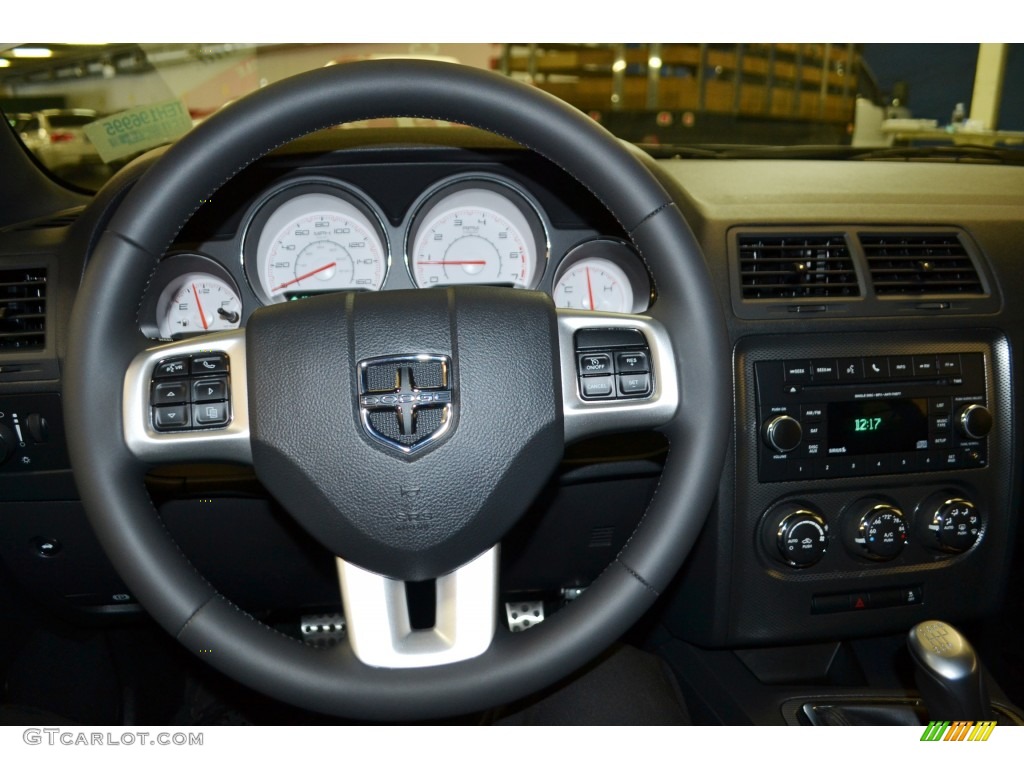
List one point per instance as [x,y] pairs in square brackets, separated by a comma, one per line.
[138,129]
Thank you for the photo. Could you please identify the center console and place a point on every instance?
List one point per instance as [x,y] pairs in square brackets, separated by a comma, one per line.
[864,493]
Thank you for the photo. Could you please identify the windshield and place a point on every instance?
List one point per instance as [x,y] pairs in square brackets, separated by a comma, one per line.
[86,110]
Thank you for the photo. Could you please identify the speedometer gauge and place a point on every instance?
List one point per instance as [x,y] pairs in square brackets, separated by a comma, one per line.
[479,233]
[313,240]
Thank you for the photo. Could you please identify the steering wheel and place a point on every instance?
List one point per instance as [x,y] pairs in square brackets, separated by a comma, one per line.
[415,505]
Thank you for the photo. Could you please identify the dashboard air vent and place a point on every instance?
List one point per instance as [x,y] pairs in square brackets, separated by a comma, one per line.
[22,309]
[906,264]
[787,267]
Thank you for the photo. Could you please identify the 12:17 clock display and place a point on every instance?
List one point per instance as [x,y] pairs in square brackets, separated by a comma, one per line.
[877,426]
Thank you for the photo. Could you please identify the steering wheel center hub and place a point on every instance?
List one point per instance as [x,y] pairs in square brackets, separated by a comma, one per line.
[406,430]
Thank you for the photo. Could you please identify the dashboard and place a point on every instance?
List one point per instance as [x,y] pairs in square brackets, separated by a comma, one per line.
[873,473]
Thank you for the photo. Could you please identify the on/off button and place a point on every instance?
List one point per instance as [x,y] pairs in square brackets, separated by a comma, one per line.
[593,364]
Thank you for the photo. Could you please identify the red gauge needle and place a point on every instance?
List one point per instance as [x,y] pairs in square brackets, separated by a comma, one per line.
[308,274]
[202,315]
[590,291]
[457,263]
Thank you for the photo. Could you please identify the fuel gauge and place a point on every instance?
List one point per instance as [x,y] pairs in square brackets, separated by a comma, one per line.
[197,302]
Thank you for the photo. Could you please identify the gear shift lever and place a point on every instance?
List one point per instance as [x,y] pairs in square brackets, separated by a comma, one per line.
[948,673]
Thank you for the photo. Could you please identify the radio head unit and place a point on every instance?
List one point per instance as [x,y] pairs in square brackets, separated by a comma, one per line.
[859,416]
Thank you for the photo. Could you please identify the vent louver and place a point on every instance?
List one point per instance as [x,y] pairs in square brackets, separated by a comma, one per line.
[22,309]
[786,267]
[906,264]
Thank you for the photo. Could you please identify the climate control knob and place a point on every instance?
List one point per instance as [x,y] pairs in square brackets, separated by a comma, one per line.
[876,530]
[974,421]
[782,433]
[954,523]
[796,534]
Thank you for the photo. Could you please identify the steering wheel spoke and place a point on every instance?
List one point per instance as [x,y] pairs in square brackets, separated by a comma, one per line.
[381,632]
[187,401]
[618,373]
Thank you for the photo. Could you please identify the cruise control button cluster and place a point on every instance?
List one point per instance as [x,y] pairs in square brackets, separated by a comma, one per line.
[613,364]
[191,392]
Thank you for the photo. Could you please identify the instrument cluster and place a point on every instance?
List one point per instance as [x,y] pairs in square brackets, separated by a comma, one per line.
[319,235]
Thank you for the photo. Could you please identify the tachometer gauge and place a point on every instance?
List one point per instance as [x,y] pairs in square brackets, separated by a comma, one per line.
[476,233]
[316,242]
[197,302]
[603,275]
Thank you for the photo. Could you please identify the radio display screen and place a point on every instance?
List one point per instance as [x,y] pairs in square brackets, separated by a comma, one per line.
[877,426]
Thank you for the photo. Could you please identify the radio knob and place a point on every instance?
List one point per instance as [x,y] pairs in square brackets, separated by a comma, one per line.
[878,530]
[954,522]
[975,421]
[801,537]
[782,433]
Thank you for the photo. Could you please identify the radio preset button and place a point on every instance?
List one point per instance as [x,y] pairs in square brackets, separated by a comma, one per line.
[828,467]
[852,466]
[904,462]
[880,464]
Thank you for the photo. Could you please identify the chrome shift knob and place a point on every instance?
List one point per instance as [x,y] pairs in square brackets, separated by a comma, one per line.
[948,673]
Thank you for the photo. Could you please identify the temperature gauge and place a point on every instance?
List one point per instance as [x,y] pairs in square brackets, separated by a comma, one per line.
[602,275]
[595,284]
[197,302]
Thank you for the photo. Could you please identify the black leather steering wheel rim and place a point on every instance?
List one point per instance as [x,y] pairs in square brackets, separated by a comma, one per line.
[104,338]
